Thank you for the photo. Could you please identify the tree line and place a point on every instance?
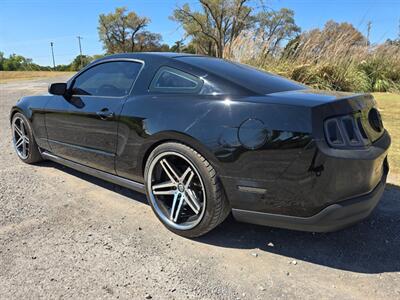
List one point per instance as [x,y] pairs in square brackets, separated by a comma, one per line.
[208,31]
[16,62]
[337,57]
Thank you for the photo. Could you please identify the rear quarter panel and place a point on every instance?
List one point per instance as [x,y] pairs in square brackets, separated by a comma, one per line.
[210,125]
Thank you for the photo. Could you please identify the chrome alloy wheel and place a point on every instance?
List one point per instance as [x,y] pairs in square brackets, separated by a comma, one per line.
[176,190]
[20,138]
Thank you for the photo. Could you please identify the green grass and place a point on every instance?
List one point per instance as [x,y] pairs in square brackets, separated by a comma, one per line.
[389,106]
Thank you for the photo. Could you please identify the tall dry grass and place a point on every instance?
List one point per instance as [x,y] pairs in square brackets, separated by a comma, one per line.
[337,58]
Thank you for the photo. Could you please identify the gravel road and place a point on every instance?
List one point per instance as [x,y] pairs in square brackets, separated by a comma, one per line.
[64,234]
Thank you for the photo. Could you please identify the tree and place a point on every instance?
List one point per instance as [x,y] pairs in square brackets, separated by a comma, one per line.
[61,68]
[334,41]
[274,27]
[18,63]
[393,42]
[217,24]
[79,62]
[189,49]
[164,48]
[147,41]
[98,56]
[1,60]
[118,30]
[178,46]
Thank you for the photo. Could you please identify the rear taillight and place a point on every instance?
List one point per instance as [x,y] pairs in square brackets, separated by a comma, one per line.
[346,131]
[334,133]
[361,128]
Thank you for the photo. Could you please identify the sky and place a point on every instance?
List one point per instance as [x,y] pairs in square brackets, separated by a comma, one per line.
[28,26]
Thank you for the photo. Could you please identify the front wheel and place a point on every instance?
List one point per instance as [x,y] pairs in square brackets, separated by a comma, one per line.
[23,140]
[183,190]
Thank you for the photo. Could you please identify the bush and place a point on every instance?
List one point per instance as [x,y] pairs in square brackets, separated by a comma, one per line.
[337,57]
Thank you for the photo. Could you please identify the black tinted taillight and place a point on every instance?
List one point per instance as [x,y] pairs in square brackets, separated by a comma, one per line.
[333,133]
[350,130]
[361,128]
[345,131]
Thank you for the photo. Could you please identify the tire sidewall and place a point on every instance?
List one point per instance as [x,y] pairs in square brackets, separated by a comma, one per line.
[192,156]
[32,143]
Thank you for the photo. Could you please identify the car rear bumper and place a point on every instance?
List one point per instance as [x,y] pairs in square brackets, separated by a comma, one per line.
[333,217]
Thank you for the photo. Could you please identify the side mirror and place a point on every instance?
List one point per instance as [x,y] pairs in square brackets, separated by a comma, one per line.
[58,88]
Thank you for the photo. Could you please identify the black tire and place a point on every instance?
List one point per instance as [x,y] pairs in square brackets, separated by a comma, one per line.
[217,207]
[33,149]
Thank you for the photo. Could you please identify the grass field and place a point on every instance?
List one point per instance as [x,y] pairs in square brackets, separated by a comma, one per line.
[9,76]
[389,106]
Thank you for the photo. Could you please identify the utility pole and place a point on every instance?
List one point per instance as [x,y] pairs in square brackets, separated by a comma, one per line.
[52,53]
[369,25]
[80,50]
[398,36]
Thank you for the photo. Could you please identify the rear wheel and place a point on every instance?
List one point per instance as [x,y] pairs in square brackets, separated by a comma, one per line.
[184,191]
[23,140]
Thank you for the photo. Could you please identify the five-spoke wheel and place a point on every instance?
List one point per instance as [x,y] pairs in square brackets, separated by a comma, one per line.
[23,140]
[183,190]
[20,137]
[177,190]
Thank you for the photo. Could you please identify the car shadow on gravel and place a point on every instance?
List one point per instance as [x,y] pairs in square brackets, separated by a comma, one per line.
[97,181]
[372,246]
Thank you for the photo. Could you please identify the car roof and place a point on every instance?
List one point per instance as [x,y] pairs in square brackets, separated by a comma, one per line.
[144,55]
[241,76]
[155,59]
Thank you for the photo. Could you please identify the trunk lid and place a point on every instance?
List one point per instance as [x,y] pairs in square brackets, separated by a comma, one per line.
[313,98]
[326,105]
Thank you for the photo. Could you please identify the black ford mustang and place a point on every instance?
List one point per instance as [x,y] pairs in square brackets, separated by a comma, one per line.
[204,137]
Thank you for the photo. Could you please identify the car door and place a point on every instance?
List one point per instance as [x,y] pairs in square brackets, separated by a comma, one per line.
[82,126]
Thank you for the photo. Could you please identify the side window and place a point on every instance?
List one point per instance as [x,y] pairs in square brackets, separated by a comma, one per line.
[170,80]
[112,79]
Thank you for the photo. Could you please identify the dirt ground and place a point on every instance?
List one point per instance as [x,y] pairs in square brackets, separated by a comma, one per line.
[64,234]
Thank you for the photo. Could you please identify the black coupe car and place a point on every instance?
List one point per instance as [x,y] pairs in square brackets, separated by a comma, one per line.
[204,137]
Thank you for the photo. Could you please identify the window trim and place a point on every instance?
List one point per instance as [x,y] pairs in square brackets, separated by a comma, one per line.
[71,82]
[175,90]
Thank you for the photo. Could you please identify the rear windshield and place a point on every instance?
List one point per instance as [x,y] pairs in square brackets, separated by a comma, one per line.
[243,75]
